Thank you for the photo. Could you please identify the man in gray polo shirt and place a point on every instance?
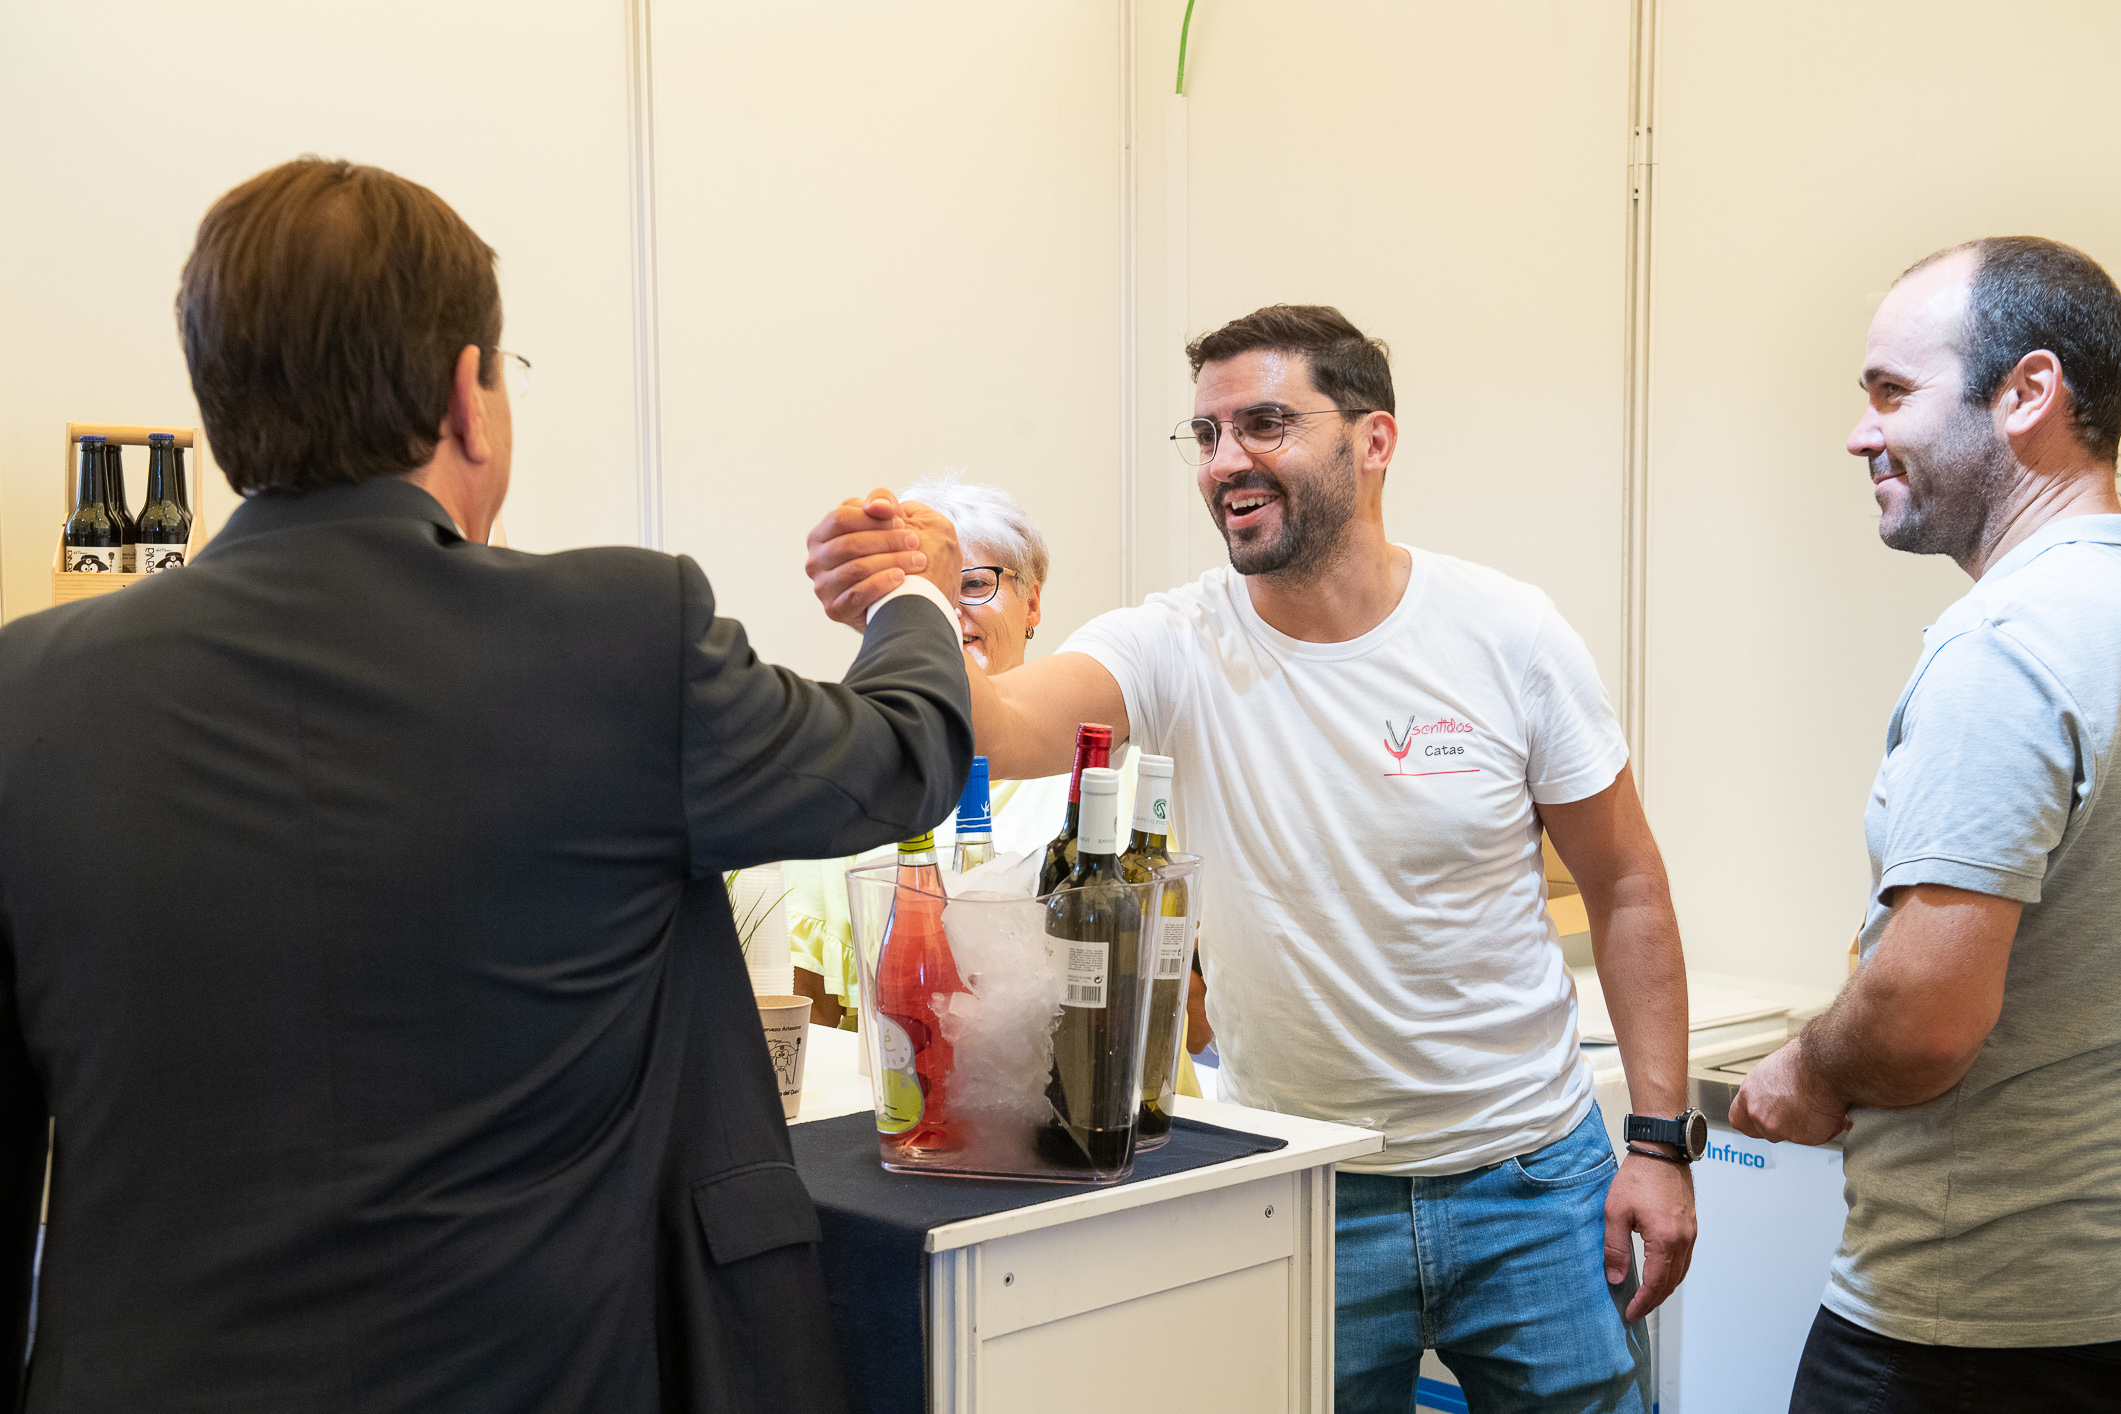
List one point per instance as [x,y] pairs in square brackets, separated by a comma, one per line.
[1975,1059]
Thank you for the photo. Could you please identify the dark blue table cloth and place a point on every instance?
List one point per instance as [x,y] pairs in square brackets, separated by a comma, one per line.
[876,1236]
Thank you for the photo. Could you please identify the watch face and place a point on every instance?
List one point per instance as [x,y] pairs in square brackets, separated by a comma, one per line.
[1697,1133]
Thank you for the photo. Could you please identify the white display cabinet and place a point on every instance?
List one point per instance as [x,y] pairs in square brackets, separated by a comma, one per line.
[1210,1289]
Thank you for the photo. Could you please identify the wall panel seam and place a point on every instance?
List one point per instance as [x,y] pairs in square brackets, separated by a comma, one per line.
[1635,452]
[647,327]
[1129,330]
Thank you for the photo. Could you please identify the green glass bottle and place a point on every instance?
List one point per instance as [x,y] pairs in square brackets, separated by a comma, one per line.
[1148,850]
[1094,921]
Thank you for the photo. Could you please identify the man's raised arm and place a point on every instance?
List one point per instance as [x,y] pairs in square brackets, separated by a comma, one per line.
[1024,720]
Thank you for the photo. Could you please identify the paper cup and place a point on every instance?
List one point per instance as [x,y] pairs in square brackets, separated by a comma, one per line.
[787,1024]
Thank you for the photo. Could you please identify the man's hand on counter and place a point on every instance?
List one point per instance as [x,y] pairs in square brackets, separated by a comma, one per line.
[1783,1100]
[868,546]
[1655,1199]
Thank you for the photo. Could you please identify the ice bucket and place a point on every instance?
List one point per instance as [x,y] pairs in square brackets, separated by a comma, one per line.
[1005,1061]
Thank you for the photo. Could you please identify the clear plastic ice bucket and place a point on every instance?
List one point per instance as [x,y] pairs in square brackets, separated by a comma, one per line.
[966,1081]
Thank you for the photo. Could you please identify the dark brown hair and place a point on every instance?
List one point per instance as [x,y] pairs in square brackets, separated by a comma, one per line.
[2030,293]
[1349,367]
[323,309]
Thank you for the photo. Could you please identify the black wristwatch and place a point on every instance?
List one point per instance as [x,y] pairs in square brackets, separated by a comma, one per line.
[1689,1133]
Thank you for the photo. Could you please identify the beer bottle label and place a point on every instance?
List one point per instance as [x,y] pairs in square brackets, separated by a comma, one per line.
[94,559]
[129,559]
[156,558]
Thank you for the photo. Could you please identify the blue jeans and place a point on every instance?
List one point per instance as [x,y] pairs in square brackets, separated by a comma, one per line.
[1500,1271]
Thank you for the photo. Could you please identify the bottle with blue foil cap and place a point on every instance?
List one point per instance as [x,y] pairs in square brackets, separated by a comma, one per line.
[975,821]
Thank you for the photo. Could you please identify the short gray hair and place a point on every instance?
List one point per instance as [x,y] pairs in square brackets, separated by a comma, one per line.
[989,517]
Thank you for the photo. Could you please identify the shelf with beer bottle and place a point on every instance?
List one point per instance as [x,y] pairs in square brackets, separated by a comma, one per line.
[104,544]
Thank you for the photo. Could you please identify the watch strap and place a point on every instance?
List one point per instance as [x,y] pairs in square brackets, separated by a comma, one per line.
[1652,1130]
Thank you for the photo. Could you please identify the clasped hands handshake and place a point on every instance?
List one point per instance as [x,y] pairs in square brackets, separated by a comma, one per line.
[869,545]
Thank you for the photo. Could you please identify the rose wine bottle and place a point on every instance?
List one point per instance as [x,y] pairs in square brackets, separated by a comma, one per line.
[915,978]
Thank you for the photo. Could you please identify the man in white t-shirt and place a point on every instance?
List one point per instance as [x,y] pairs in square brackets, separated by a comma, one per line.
[1369,738]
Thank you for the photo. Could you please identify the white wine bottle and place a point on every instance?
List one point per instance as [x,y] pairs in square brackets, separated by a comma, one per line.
[1148,850]
[1094,921]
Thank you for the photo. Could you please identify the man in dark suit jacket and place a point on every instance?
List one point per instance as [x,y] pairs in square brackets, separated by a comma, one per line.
[361,923]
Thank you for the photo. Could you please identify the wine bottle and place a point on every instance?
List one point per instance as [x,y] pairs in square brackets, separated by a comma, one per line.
[915,977]
[1095,922]
[1148,850]
[164,522]
[1093,748]
[114,500]
[975,821]
[93,542]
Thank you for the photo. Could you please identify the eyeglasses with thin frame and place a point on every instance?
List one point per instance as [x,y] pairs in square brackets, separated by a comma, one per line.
[978,584]
[516,369]
[1259,430]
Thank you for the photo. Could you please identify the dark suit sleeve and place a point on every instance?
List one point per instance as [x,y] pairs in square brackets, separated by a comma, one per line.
[779,767]
[22,1145]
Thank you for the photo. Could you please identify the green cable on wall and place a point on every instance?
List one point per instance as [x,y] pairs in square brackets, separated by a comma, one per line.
[1183,30]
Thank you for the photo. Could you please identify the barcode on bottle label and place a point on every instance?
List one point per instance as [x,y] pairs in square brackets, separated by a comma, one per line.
[94,559]
[1087,965]
[1171,949]
[156,558]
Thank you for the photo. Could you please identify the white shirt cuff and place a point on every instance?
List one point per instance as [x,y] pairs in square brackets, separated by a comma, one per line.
[921,585]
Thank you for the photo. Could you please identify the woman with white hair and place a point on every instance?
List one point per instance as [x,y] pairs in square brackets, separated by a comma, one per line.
[1005,564]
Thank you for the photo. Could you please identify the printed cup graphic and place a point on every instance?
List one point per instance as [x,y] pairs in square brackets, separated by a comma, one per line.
[787,1024]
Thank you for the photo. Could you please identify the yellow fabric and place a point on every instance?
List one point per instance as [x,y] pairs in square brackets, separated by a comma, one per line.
[1188,1078]
[820,931]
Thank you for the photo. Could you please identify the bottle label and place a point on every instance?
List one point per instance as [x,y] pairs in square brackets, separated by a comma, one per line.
[1170,949]
[1152,808]
[1087,965]
[900,1100]
[156,558]
[94,559]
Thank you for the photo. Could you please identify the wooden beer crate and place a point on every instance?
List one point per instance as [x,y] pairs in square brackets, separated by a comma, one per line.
[67,587]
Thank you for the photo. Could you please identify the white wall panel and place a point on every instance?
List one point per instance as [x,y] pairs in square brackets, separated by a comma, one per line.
[889,244]
[1453,178]
[126,119]
[1807,153]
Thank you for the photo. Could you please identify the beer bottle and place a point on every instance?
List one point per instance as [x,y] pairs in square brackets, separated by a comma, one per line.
[114,499]
[164,523]
[93,542]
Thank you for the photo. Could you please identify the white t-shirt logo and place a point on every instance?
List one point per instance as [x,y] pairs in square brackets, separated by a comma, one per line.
[1439,747]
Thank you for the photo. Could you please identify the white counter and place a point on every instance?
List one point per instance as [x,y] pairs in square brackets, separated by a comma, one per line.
[1234,1259]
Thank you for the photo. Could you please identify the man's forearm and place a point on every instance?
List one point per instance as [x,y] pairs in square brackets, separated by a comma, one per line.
[1635,937]
[1910,1024]
[1859,1055]
[997,734]
[1023,721]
